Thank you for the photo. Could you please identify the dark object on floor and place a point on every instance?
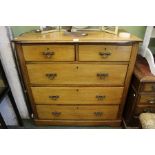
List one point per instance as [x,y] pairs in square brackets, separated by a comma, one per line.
[141,96]
[4,91]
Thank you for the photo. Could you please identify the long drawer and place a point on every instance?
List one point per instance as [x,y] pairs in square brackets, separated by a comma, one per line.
[148,87]
[77,74]
[104,53]
[48,52]
[77,112]
[77,95]
[143,109]
[148,99]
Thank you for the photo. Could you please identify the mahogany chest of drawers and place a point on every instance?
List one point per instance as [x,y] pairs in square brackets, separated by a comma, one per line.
[141,96]
[82,82]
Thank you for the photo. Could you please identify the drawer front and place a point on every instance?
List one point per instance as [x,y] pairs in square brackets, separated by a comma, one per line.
[77,95]
[104,53]
[149,87]
[77,74]
[48,52]
[77,112]
[144,109]
[147,99]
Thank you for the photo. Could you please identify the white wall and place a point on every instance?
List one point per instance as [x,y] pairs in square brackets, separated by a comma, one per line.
[9,66]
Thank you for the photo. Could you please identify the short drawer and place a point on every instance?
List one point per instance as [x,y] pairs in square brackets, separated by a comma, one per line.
[48,52]
[148,87]
[77,112]
[147,99]
[143,109]
[77,74]
[104,53]
[77,95]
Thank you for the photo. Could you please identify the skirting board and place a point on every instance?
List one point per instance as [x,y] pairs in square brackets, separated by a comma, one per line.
[112,123]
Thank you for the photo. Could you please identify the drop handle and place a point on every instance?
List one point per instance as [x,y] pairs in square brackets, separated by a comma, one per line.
[48,54]
[51,76]
[102,75]
[100,97]
[98,114]
[149,110]
[55,113]
[151,101]
[104,54]
[54,97]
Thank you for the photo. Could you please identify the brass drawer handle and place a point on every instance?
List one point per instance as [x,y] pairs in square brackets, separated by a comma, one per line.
[55,113]
[98,114]
[151,101]
[51,76]
[100,97]
[104,54]
[150,110]
[48,54]
[102,75]
[54,97]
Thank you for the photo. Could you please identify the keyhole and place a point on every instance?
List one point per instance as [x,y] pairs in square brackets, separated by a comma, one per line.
[77,67]
[77,90]
[105,49]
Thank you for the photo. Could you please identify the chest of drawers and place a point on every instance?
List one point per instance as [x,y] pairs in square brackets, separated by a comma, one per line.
[141,96]
[76,83]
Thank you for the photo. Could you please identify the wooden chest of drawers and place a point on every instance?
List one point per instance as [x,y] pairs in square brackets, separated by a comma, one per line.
[76,83]
[141,96]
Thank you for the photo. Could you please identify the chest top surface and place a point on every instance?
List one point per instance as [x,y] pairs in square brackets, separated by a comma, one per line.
[61,37]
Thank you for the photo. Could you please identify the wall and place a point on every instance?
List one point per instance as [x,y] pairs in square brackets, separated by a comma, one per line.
[17,30]
[136,30]
[139,31]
